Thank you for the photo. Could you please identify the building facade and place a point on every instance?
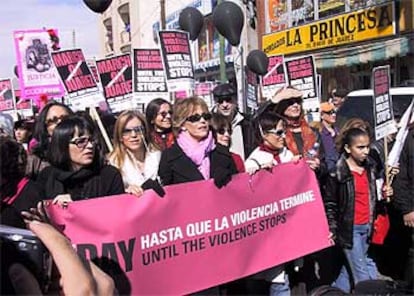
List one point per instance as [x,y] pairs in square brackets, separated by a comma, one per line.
[347,38]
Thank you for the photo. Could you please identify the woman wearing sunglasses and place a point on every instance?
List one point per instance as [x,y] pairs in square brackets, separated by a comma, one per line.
[222,131]
[159,118]
[46,122]
[194,156]
[77,168]
[134,154]
[272,149]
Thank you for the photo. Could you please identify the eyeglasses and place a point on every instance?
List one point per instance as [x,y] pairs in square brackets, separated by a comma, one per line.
[224,99]
[222,131]
[165,113]
[82,142]
[330,112]
[197,117]
[279,133]
[294,101]
[137,130]
[55,120]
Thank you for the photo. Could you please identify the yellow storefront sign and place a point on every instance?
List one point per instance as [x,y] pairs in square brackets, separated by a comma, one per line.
[360,25]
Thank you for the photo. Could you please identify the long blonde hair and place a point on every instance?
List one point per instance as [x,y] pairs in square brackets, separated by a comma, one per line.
[117,156]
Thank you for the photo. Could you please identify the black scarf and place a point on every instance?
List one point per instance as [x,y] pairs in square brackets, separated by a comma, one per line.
[79,184]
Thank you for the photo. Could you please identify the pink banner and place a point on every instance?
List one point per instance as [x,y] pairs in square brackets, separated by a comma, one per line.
[199,236]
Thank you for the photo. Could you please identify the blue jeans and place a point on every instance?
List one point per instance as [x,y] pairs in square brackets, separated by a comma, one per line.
[362,267]
[280,289]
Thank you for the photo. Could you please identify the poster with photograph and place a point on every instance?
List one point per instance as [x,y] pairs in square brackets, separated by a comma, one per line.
[382,101]
[37,73]
[275,78]
[177,60]
[81,87]
[148,75]
[115,74]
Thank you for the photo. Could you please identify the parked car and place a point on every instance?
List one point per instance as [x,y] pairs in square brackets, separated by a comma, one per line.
[359,103]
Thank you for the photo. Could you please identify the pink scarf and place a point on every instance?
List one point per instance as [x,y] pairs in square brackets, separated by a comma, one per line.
[198,152]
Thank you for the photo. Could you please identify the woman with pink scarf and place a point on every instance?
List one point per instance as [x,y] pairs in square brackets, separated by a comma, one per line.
[194,156]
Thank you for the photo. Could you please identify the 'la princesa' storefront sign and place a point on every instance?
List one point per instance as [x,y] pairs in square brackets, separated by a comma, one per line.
[356,26]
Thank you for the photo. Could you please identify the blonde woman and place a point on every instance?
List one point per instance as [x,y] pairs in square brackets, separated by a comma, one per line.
[134,155]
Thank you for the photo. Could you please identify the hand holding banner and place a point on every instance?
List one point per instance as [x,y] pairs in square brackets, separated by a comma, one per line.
[251,224]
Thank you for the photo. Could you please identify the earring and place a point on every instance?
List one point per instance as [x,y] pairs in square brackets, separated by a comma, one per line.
[183,129]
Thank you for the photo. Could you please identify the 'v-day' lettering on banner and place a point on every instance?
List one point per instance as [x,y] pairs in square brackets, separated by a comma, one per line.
[199,236]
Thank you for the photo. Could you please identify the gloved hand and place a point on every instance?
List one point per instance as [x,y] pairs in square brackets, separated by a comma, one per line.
[222,176]
[154,185]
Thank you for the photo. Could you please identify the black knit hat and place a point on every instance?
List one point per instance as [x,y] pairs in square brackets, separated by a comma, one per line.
[224,90]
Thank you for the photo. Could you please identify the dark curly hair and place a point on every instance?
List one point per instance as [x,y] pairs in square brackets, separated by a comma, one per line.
[12,165]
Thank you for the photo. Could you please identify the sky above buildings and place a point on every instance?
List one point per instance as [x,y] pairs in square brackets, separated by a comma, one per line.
[65,15]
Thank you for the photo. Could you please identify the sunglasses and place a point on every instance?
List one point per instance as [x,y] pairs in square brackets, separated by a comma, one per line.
[292,101]
[165,113]
[197,117]
[82,142]
[330,112]
[279,133]
[222,131]
[137,130]
[225,99]
[55,120]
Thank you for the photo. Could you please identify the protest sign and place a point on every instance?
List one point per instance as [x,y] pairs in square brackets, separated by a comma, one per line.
[251,224]
[116,78]
[276,76]
[383,112]
[407,119]
[149,78]
[204,90]
[6,95]
[176,57]
[24,107]
[251,91]
[37,74]
[81,87]
[301,74]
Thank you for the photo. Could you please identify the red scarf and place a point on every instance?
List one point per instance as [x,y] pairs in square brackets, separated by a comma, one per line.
[163,140]
[275,153]
[307,135]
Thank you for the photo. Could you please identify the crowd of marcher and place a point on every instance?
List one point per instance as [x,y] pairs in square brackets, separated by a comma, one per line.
[60,157]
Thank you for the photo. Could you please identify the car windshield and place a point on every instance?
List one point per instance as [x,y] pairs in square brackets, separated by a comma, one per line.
[362,107]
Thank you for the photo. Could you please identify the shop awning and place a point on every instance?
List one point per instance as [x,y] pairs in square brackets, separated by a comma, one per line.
[360,54]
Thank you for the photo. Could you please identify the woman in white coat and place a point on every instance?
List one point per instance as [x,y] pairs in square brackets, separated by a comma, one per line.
[134,155]
[272,149]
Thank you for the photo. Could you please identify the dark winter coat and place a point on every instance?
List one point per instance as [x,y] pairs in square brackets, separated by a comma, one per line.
[176,167]
[404,181]
[82,184]
[339,199]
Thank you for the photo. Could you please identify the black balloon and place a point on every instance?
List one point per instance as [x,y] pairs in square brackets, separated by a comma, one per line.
[98,6]
[191,20]
[16,71]
[257,61]
[228,18]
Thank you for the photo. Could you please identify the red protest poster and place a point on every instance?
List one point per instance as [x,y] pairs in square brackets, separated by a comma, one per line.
[115,74]
[176,56]
[6,95]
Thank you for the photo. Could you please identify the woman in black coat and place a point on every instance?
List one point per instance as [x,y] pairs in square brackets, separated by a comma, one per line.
[194,156]
[77,168]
